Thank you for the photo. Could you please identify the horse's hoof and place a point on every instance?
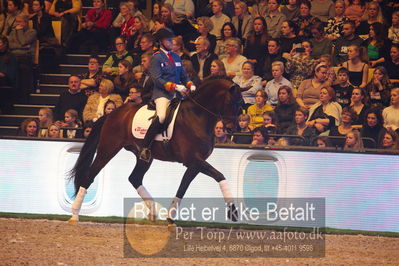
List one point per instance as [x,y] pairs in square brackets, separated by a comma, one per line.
[73,221]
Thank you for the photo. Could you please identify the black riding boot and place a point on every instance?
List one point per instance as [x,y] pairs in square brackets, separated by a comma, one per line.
[153,130]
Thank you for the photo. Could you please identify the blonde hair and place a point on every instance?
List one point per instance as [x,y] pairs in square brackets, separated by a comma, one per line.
[358,147]
[207,22]
[49,114]
[109,85]
[59,130]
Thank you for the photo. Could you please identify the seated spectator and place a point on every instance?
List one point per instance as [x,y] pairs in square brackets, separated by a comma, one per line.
[109,107]
[87,129]
[192,74]
[358,104]
[322,9]
[286,107]
[354,142]
[377,45]
[326,113]
[69,12]
[94,108]
[300,128]
[391,113]
[73,98]
[379,88]
[259,136]
[343,89]
[137,31]
[203,57]
[28,7]
[205,25]
[393,31]
[13,10]
[218,19]
[326,59]
[273,54]
[335,23]
[357,68]
[22,43]
[45,120]
[305,20]
[8,76]
[291,9]
[343,43]
[249,83]
[309,90]
[323,142]
[93,37]
[71,120]
[355,10]
[270,122]
[348,116]
[145,82]
[220,132]
[228,31]
[134,96]
[183,8]
[256,110]
[259,8]
[274,18]
[147,43]
[373,15]
[300,64]
[54,131]
[242,21]
[289,39]
[276,83]
[321,45]
[125,78]
[392,65]
[29,128]
[91,79]
[243,127]
[178,48]
[234,60]
[110,67]
[373,127]
[217,68]
[125,20]
[390,140]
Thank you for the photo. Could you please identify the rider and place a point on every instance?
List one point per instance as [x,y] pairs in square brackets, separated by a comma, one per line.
[166,70]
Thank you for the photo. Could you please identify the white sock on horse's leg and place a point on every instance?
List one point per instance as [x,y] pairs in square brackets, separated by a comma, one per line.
[224,187]
[173,208]
[149,201]
[77,203]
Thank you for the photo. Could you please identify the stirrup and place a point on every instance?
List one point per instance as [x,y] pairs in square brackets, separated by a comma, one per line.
[145,155]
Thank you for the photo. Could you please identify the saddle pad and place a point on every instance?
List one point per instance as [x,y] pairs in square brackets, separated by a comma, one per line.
[141,123]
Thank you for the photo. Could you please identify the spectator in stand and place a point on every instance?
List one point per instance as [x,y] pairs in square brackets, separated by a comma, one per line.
[379,88]
[220,132]
[309,90]
[273,54]
[391,113]
[275,84]
[323,142]
[390,140]
[289,39]
[300,64]
[109,107]
[91,79]
[242,21]
[249,83]
[95,105]
[184,8]
[305,20]
[22,43]
[300,128]
[125,20]
[348,116]
[13,10]
[219,18]
[73,98]
[192,74]
[393,31]
[228,31]
[357,67]
[42,24]
[334,26]
[203,57]
[28,8]
[377,45]
[322,9]
[134,95]
[326,113]
[342,44]
[392,65]
[87,129]
[256,44]
[54,131]
[145,82]
[156,12]
[29,128]
[243,123]
[137,31]
[259,8]
[205,25]
[93,37]
[321,45]
[8,76]
[71,120]
[259,136]
[286,107]
[234,60]
[110,67]
[373,15]
[291,9]
[256,110]
[45,120]
[326,59]
[274,18]
[354,142]
[343,89]
[359,106]
[373,127]
[69,12]
[355,10]
[217,68]
[178,48]
[125,79]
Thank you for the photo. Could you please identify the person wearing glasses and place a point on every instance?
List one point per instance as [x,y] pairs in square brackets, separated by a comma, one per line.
[110,67]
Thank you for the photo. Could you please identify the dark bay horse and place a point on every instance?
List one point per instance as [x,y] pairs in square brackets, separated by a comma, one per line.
[191,144]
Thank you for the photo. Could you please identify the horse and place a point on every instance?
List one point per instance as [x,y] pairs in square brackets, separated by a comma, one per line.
[218,98]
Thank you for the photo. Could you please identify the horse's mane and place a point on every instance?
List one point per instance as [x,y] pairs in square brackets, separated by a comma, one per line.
[208,80]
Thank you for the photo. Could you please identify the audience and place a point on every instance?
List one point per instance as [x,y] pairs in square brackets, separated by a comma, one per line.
[203,57]
[256,110]
[353,142]
[286,107]
[390,140]
[29,128]
[234,60]
[221,136]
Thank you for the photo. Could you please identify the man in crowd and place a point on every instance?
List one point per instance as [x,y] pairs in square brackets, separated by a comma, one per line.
[202,59]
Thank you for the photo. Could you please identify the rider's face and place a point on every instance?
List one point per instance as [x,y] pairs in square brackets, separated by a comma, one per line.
[167,44]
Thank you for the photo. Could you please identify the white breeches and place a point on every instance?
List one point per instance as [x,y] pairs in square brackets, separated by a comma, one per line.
[161,105]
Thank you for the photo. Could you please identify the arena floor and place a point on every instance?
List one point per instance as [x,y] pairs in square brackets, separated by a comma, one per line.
[45,242]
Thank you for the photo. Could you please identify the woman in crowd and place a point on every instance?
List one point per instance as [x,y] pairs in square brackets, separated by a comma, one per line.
[333,29]
[259,8]
[321,45]
[358,69]
[378,89]
[139,28]
[8,76]
[217,68]
[125,79]
[178,48]
[300,128]
[273,54]
[390,141]
[393,31]
[391,113]
[286,107]
[249,83]
[29,128]
[110,67]
[377,45]
[54,131]
[278,80]
[353,141]
[392,65]
[373,127]
[322,142]
[300,64]
[13,10]
[43,25]
[234,60]
[322,9]
[125,19]
[274,18]
[359,106]
[94,108]
[109,107]
[355,10]
[291,9]
[228,31]
[46,118]
[326,59]
[289,38]
[348,116]
[309,90]
[373,15]
[156,12]
[242,21]
[326,113]
[305,20]
[256,44]
[256,110]
[205,25]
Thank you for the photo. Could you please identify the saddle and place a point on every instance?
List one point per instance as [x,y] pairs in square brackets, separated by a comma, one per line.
[169,113]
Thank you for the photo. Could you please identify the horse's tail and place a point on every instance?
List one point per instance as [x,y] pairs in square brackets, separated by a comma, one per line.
[81,169]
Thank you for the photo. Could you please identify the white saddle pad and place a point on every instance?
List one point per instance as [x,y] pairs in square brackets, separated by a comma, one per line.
[141,123]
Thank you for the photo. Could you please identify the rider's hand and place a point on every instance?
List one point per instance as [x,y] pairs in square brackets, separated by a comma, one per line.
[181,88]
[193,88]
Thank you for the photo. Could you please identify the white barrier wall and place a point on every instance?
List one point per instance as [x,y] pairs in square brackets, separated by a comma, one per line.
[361,190]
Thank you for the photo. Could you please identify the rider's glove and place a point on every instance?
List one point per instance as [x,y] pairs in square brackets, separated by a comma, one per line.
[181,88]
[193,88]
[170,86]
